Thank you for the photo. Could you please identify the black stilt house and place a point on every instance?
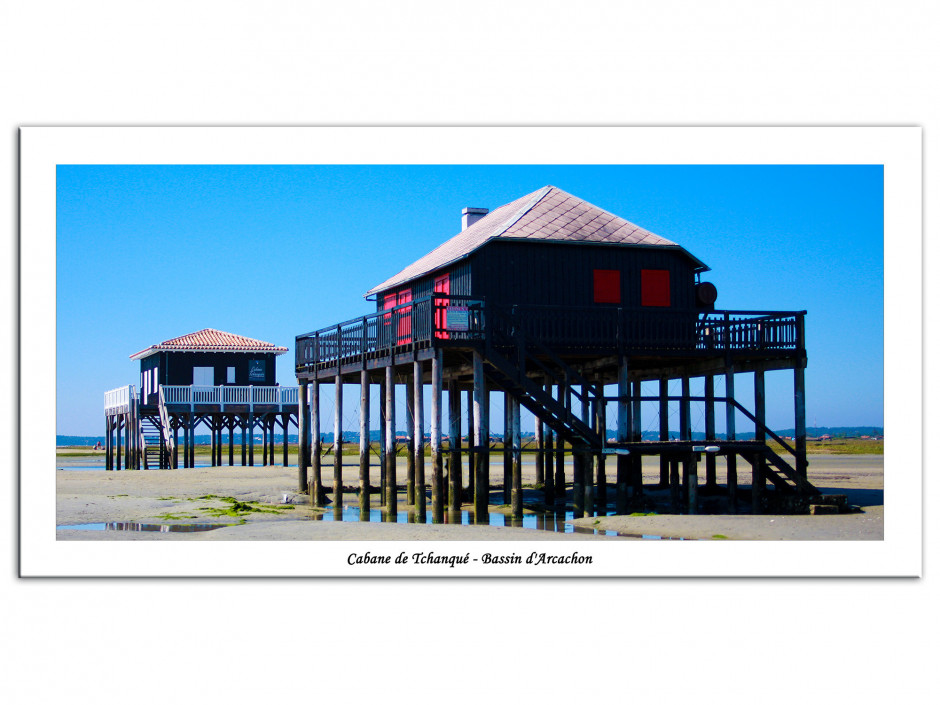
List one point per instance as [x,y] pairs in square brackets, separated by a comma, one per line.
[207,358]
[209,379]
[568,309]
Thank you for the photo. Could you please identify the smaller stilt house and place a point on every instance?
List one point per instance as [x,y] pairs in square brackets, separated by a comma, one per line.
[209,378]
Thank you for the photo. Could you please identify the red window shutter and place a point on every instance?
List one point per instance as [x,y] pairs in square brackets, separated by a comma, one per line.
[404,318]
[606,286]
[441,286]
[654,285]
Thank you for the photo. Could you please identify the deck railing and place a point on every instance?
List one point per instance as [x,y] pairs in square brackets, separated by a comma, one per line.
[193,395]
[119,400]
[450,319]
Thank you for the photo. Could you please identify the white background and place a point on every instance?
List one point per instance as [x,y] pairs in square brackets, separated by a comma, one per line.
[623,63]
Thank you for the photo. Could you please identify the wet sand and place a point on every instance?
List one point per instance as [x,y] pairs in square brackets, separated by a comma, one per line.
[171,497]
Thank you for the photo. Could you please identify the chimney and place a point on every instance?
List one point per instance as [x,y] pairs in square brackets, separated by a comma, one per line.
[472,215]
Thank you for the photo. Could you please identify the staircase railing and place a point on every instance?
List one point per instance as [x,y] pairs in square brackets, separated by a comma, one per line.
[165,424]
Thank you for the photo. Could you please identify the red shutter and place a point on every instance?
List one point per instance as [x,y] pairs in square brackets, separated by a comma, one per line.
[404,318]
[654,285]
[441,286]
[606,286]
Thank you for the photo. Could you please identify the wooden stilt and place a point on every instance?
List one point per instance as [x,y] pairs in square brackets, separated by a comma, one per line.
[213,440]
[539,451]
[243,426]
[176,443]
[120,420]
[107,443]
[549,460]
[391,500]
[481,441]
[589,411]
[365,443]
[623,432]
[516,460]
[636,461]
[338,443]
[383,429]
[303,443]
[437,469]
[420,499]
[731,459]
[560,488]
[316,446]
[711,476]
[663,431]
[685,430]
[251,438]
[507,448]
[410,434]
[799,408]
[455,489]
[230,422]
[471,443]
[601,420]
[285,426]
[693,483]
[757,471]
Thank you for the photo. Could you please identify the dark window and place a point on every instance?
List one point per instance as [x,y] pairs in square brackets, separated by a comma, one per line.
[606,286]
[654,284]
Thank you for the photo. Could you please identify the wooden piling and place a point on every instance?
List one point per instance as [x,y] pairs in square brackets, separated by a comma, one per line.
[455,488]
[693,483]
[560,489]
[637,435]
[711,476]
[251,439]
[731,459]
[760,435]
[539,451]
[410,435]
[420,499]
[437,457]
[471,443]
[391,469]
[663,431]
[338,442]
[365,439]
[316,446]
[601,420]
[623,432]
[799,408]
[507,448]
[303,443]
[516,499]
[383,430]
[481,440]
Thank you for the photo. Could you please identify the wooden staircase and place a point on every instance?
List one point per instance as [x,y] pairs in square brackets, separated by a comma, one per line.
[154,452]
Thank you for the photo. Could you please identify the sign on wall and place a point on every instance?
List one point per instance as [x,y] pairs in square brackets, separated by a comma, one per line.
[256,370]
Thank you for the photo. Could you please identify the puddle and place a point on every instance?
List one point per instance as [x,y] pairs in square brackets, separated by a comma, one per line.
[134,526]
[549,521]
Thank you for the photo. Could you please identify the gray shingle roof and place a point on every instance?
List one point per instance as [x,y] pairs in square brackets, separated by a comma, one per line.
[547,214]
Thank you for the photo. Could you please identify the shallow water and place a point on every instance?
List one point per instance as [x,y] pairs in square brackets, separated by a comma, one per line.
[548,521]
[136,526]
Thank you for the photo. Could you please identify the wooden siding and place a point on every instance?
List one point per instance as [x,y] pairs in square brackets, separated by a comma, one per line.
[420,288]
[561,274]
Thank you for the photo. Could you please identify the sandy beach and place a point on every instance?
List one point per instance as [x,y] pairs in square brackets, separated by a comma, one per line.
[262,503]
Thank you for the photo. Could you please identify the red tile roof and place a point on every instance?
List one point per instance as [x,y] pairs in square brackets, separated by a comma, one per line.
[547,214]
[211,340]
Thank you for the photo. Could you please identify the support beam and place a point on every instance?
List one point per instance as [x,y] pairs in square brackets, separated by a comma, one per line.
[601,420]
[564,398]
[420,499]
[663,431]
[338,443]
[410,434]
[799,408]
[365,443]
[539,451]
[316,447]
[303,423]
[391,469]
[455,490]
[251,438]
[731,459]
[507,448]
[516,461]
[711,478]
[481,441]
[637,435]
[758,477]
[383,430]
[437,457]
[549,459]
[471,445]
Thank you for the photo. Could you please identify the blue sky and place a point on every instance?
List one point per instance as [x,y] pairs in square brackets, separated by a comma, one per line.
[147,253]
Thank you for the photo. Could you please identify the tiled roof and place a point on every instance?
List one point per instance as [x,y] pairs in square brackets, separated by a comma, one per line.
[211,340]
[547,214]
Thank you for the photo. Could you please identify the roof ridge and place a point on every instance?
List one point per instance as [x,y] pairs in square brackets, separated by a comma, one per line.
[515,217]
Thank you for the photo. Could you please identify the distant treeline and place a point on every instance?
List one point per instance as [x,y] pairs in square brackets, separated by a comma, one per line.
[353,436]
